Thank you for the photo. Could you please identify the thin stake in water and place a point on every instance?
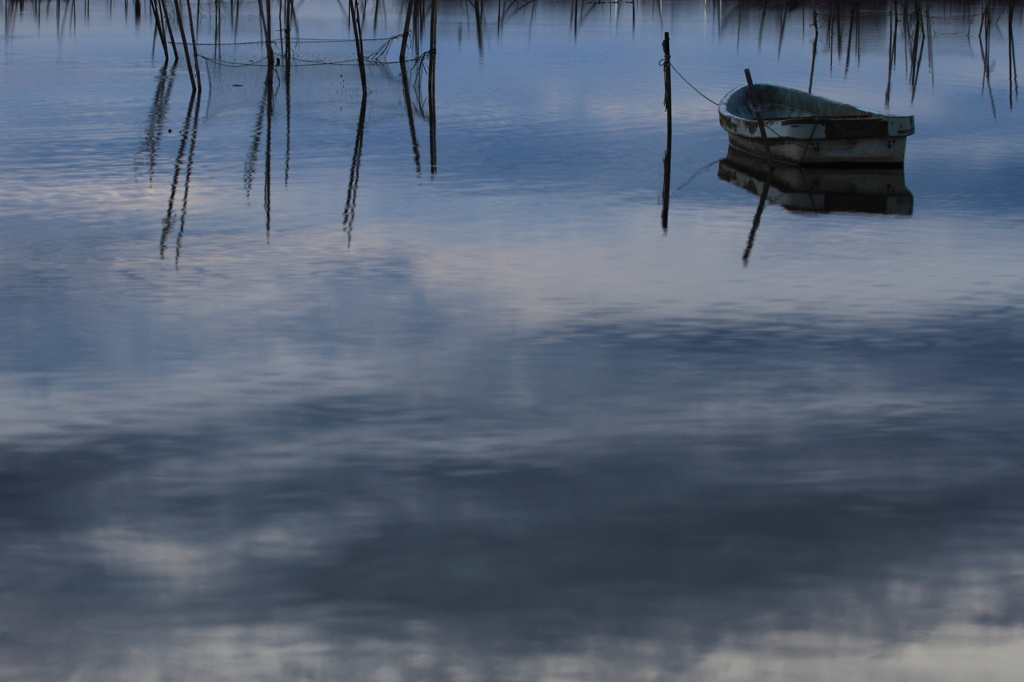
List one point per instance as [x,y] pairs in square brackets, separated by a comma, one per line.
[667,172]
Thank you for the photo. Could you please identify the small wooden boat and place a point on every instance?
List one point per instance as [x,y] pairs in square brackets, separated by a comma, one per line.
[807,130]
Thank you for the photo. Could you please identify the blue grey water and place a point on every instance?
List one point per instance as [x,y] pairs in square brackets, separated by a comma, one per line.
[278,404]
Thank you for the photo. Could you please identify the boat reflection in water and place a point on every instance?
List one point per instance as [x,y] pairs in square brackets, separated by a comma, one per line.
[820,190]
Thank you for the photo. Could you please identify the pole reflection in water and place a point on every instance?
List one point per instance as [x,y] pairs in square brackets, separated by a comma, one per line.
[894,20]
[269,96]
[478,15]
[985,48]
[854,28]
[184,158]
[157,116]
[410,9]
[256,140]
[349,215]
[288,93]
[783,16]
[757,216]
[915,39]
[409,113]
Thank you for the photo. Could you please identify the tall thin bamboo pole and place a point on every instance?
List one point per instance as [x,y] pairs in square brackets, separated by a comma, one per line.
[431,87]
[184,41]
[357,30]
[667,172]
[158,28]
[405,32]
[195,49]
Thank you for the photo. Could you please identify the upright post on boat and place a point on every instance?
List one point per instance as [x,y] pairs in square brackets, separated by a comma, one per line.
[667,62]
[752,95]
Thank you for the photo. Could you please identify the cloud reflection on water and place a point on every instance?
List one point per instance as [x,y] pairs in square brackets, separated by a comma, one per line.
[515,432]
[574,506]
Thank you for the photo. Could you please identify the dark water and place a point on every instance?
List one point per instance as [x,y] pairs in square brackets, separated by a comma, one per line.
[279,401]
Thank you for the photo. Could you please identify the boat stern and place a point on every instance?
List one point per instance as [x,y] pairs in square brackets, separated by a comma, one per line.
[900,126]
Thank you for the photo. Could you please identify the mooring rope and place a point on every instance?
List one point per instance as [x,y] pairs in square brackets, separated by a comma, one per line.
[662,63]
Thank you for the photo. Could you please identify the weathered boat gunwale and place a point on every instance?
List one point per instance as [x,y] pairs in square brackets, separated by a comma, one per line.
[808,130]
[821,119]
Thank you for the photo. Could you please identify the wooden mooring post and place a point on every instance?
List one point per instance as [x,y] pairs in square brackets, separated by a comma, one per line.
[667,173]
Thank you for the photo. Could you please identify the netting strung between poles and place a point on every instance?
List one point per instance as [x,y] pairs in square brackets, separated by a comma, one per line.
[304,51]
[319,76]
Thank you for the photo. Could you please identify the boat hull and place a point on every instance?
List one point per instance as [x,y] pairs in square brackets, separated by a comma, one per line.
[805,130]
[875,152]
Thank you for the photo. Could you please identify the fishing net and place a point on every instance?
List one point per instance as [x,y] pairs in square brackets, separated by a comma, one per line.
[303,52]
[320,78]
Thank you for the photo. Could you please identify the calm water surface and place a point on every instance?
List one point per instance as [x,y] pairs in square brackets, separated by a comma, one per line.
[285,396]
